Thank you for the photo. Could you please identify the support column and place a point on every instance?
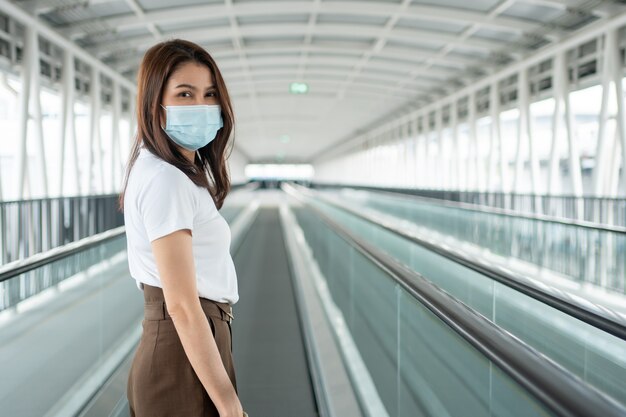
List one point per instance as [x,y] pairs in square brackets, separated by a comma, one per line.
[473,181]
[429,174]
[572,141]
[523,127]
[619,93]
[535,172]
[405,138]
[67,118]
[555,180]
[94,130]
[602,147]
[96,135]
[30,42]
[454,124]
[441,176]
[35,74]
[415,166]
[494,107]
[115,137]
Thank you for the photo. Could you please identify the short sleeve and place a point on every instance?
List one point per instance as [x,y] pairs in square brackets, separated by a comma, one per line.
[166,203]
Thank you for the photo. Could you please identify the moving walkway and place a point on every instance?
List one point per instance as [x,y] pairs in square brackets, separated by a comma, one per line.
[330,323]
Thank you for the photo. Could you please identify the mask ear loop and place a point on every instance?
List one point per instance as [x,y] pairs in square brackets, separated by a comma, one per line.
[165,116]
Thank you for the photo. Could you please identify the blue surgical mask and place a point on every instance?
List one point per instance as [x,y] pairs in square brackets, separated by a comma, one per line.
[193,127]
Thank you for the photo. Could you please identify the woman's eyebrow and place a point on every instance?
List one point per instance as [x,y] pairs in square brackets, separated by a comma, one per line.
[192,87]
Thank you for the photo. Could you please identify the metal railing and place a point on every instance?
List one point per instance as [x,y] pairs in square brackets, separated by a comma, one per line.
[28,227]
[601,210]
[24,278]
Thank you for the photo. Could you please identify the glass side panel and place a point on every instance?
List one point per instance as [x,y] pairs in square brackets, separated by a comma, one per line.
[595,356]
[586,256]
[419,366]
[82,312]
[31,283]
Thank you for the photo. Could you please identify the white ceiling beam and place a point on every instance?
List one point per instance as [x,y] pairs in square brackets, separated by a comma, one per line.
[382,88]
[382,38]
[420,57]
[361,95]
[341,64]
[289,75]
[397,54]
[346,62]
[417,37]
[351,8]
[440,74]
[141,14]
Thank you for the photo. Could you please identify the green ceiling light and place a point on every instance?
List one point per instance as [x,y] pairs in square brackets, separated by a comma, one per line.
[298,88]
[284,138]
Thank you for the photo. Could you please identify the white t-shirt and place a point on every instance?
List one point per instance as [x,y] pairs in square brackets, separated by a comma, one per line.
[161,199]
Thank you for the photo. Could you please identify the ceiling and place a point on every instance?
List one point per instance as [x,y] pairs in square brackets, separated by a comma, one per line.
[364,61]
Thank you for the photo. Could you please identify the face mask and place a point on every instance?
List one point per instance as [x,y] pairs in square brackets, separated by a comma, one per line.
[193,127]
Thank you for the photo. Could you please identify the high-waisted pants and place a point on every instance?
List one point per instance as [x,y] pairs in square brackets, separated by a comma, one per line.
[161,381]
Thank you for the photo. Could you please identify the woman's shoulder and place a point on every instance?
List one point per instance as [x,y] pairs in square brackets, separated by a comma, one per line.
[151,169]
[155,181]
[164,187]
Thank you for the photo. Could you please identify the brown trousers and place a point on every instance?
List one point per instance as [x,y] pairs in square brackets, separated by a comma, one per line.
[161,381]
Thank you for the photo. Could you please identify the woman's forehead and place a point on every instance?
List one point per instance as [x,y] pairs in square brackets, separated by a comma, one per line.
[192,73]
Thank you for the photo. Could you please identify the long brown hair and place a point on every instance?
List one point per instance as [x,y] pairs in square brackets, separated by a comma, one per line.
[158,64]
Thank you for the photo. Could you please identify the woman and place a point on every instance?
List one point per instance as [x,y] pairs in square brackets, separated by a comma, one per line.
[178,243]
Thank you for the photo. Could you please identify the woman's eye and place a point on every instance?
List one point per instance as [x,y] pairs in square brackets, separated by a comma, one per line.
[188,94]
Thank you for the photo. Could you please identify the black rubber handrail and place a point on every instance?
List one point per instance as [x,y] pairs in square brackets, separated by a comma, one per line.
[557,388]
[588,312]
[21,266]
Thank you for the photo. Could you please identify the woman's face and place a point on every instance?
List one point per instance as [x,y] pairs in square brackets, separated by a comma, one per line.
[190,84]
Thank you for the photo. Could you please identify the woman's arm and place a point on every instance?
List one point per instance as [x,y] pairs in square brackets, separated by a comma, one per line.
[174,257]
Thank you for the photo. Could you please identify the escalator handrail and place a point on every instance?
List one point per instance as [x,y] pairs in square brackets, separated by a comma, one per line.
[21,266]
[557,388]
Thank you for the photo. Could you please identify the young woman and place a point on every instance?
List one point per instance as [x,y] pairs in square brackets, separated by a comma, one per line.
[178,243]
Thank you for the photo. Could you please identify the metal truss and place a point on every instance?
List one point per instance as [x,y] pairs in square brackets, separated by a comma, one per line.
[590,57]
[40,57]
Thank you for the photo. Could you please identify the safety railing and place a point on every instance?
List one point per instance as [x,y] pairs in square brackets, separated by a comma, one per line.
[602,210]
[28,227]
[24,278]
